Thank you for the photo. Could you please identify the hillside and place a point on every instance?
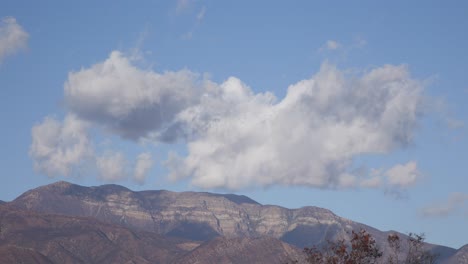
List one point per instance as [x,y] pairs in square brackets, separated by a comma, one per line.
[201,216]
[205,215]
[30,237]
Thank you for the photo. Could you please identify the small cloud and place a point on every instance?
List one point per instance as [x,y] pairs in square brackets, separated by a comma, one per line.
[359,42]
[396,193]
[183,5]
[58,148]
[373,182]
[454,202]
[144,163]
[64,149]
[112,166]
[330,45]
[12,37]
[403,175]
[455,123]
[187,36]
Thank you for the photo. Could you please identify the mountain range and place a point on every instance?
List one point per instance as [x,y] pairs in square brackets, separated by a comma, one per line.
[68,223]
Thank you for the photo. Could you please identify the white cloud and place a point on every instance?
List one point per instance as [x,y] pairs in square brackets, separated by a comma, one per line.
[450,206]
[237,138]
[65,149]
[144,163]
[57,148]
[308,138]
[373,182]
[403,175]
[12,37]
[330,45]
[128,101]
[112,166]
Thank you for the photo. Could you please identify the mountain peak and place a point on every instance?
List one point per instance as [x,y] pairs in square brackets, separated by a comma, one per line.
[58,184]
[235,198]
[198,216]
[191,215]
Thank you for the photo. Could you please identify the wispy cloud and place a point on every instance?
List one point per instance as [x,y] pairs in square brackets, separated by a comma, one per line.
[454,203]
[359,42]
[183,5]
[112,166]
[330,45]
[143,165]
[201,14]
[342,49]
[12,37]
[195,11]
[454,123]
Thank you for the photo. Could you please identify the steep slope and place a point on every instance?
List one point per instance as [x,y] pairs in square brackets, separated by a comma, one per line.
[461,256]
[28,237]
[205,215]
[198,216]
[15,254]
[242,250]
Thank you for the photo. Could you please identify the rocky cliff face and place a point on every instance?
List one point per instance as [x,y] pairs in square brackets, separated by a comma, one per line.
[199,216]
[29,237]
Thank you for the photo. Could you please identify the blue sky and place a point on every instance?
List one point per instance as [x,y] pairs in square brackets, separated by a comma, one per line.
[355,108]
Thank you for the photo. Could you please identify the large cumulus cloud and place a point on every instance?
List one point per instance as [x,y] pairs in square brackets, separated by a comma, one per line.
[128,101]
[238,138]
[310,137]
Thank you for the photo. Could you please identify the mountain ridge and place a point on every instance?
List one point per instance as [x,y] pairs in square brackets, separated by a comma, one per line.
[142,209]
[198,216]
[31,237]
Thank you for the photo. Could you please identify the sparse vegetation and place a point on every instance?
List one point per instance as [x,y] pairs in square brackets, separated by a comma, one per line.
[363,249]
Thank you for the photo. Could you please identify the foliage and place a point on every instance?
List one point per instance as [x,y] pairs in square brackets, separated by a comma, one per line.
[416,253]
[362,249]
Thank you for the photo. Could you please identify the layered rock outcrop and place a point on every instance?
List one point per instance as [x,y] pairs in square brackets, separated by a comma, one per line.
[192,215]
[201,216]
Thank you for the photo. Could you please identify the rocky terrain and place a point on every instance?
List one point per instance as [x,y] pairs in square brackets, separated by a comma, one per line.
[45,238]
[243,250]
[461,256]
[29,237]
[191,215]
[224,222]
